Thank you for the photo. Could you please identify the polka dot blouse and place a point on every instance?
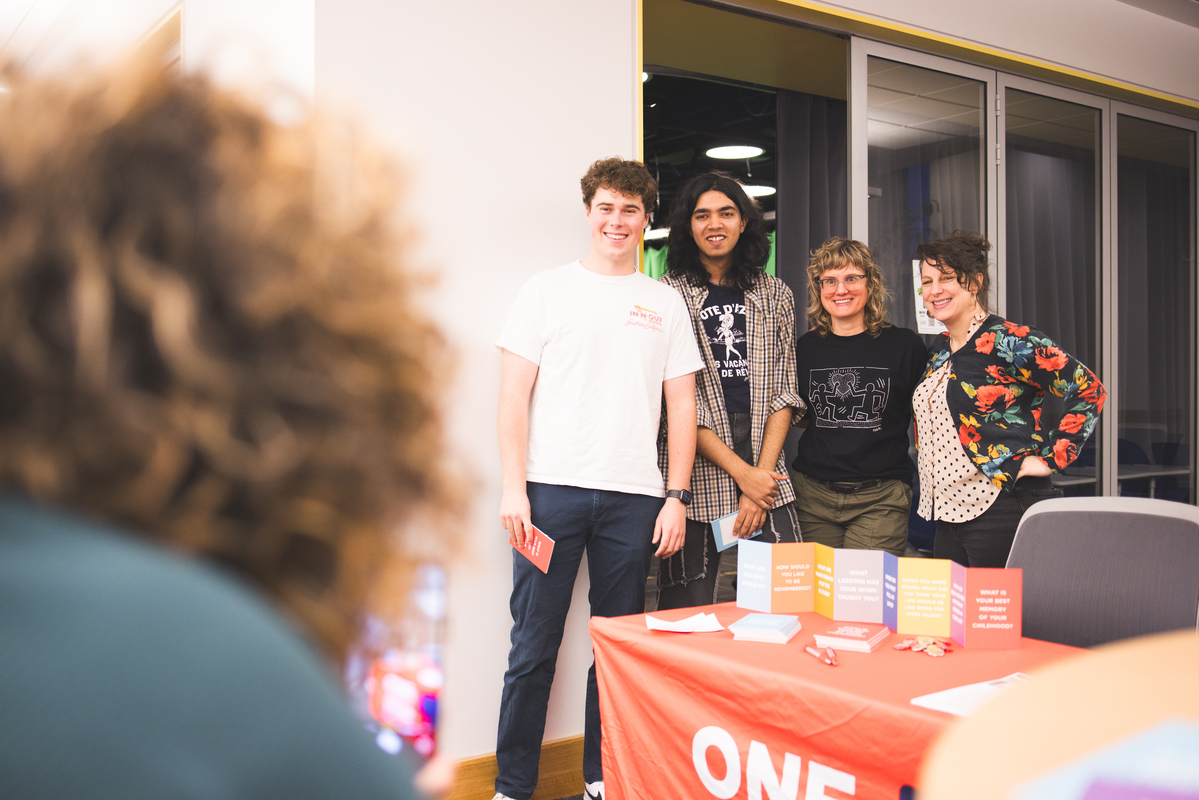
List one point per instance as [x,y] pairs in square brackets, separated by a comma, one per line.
[952,487]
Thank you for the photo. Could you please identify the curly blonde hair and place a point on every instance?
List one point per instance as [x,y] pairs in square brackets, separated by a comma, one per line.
[835,254]
[207,333]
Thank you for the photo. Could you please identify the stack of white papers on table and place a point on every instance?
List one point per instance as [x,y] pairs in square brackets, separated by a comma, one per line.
[854,637]
[963,701]
[776,628]
[698,623]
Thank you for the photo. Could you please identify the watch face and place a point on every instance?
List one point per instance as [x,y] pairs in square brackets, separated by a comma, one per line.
[682,495]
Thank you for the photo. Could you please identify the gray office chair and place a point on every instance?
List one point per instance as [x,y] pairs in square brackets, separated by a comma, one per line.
[1098,569]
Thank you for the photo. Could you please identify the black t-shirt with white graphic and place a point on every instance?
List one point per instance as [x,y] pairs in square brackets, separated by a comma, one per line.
[859,392]
[723,316]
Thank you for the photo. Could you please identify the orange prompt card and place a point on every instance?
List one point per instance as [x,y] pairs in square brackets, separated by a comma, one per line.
[538,548]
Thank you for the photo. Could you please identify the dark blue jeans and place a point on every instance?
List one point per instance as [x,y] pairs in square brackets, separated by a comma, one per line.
[616,530]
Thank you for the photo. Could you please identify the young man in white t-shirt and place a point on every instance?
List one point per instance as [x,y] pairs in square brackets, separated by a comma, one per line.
[590,350]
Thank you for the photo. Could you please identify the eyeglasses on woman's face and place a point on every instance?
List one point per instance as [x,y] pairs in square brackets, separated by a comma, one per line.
[850,282]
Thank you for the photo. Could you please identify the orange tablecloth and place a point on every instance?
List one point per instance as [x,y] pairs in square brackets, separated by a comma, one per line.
[698,715]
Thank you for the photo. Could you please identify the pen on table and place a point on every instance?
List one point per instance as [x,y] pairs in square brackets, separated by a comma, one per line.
[830,659]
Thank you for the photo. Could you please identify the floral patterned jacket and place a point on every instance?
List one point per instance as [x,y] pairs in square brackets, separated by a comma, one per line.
[997,381]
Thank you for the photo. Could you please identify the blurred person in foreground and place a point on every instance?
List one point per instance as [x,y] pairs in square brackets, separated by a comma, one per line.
[206,351]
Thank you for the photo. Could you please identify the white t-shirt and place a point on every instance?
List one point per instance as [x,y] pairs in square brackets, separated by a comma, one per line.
[603,346]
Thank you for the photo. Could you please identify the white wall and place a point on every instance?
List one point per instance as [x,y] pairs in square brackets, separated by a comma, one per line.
[54,33]
[252,40]
[1106,38]
[236,40]
[498,109]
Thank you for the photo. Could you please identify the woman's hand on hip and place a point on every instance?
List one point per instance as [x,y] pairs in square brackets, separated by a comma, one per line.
[1033,467]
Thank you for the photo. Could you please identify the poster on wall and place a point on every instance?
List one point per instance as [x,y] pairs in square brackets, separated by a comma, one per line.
[924,323]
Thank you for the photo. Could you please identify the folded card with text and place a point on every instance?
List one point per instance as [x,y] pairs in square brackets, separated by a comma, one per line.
[538,548]
[977,607]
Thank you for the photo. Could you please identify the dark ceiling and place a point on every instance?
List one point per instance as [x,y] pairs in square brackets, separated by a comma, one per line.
[686,116]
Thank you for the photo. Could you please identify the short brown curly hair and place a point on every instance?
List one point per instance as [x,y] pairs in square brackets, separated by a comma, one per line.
[208,334]
[624,176]
[835,254]
[965,254]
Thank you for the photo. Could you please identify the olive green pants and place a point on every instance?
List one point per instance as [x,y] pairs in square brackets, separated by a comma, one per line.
[873,518]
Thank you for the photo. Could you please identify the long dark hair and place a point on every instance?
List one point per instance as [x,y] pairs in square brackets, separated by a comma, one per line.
[752,250]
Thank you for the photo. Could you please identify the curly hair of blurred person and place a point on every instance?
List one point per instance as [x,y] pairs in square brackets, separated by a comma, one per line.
[208,334]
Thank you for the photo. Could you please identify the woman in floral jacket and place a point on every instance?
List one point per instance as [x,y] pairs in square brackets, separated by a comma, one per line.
[984,456]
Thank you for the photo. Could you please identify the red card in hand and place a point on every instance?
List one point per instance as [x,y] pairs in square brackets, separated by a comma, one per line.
[538,548]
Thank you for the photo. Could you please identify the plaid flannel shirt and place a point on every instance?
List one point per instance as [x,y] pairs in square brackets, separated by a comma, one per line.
[773,386]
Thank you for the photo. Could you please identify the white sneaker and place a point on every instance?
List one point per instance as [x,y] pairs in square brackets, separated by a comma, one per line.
[593,791]
[499,796]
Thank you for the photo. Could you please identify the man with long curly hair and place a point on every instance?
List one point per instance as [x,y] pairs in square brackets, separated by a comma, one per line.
[209,345]
[590,350]
[746,398]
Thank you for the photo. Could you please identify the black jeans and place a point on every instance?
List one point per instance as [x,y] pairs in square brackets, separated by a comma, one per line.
[688,578]
[781,526]
[986,540]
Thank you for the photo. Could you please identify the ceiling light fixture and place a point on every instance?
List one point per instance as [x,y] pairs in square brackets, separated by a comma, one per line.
[759,191]
[656,233]
[644,77]
[735,151]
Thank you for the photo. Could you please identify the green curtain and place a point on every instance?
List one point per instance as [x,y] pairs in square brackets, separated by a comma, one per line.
[655,259]
[655,262]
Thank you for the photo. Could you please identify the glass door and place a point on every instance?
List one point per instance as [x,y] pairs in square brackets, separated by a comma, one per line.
[1051,208]
[1091,206]
[919,169]
[1155,235]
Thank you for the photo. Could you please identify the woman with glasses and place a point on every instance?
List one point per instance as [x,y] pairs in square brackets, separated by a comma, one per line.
[984,455]
[852,475]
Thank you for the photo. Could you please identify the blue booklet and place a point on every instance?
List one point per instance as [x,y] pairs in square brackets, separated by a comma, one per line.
[777,628]
[723,531]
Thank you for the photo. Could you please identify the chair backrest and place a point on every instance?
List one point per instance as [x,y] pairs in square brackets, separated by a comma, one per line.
[1098,569]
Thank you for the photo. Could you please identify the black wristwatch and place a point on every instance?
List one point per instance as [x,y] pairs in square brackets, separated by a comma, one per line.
[682,495]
